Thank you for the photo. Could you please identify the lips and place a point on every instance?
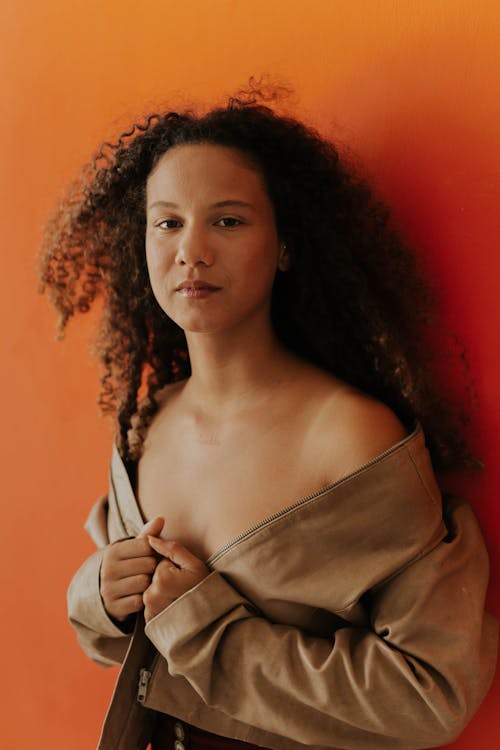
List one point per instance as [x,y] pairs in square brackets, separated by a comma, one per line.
[194,284]
[197,289]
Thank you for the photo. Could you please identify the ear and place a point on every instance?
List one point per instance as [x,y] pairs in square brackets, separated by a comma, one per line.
[284,259]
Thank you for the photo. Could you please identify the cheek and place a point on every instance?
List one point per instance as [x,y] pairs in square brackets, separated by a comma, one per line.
[153,254]
[261,266]
[156,262]
[157,259]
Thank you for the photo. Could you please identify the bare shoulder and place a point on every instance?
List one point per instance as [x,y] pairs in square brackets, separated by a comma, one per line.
[165,397]
[352,429]
[168,393]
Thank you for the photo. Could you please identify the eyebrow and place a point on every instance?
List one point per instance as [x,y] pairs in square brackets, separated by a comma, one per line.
[219,204]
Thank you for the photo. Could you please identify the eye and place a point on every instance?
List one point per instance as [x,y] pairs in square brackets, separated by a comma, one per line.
[228,222]
[169,224]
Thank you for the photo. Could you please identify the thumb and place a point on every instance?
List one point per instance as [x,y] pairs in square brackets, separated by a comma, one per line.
[152,527]
[176,553]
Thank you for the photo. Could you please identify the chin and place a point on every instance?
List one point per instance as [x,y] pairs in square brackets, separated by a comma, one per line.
[211,321]
[200,324]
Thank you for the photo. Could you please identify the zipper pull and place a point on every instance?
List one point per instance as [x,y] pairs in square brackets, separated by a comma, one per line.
[144,677]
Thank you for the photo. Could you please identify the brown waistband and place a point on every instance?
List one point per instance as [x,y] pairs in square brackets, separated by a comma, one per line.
[172,734]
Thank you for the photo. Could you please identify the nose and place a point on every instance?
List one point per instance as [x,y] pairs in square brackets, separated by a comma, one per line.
[194,248]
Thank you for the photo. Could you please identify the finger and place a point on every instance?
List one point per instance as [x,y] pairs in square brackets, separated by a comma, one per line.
[153,527]
[126,606]
[114,590]
[162,588]
[135,566]
[175,552]
[127,549]
[117,570]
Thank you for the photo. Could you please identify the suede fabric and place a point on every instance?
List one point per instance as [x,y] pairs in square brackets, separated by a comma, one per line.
[352,620]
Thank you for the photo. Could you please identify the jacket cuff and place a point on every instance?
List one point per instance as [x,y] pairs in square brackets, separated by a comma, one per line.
[196,609]
[85,605]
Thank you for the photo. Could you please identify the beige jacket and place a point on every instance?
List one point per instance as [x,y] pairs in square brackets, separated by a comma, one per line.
[352,619]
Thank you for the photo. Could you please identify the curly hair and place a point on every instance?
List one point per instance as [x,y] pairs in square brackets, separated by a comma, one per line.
[353,301]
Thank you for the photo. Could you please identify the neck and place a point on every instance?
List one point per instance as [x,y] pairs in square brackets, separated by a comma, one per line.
[236,370]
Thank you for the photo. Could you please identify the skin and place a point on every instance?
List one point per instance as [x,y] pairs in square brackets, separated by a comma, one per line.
[147,573]
[249,402]
[233,246]
[126,571]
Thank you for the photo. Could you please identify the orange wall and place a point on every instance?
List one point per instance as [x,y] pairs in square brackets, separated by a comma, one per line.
[411,86]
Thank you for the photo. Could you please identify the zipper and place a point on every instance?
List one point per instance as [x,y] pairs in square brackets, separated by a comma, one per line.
[144,678]
[270,519]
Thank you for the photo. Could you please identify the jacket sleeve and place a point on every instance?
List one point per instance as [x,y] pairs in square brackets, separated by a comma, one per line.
[412,679]
[99,637]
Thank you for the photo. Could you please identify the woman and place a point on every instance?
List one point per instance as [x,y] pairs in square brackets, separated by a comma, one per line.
[275,566]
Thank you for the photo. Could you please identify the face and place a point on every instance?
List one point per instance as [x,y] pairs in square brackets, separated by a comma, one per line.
[211,243]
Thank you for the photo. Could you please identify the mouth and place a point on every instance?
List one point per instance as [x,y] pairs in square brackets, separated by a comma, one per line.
[194,285]
[197,289]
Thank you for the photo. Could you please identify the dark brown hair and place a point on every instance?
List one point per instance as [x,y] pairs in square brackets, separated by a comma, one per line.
[352,302]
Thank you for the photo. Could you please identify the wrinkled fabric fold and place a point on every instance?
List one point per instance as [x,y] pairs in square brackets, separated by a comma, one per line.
[353,621]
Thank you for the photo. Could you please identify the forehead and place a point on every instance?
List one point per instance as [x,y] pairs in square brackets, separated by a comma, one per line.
[204,168]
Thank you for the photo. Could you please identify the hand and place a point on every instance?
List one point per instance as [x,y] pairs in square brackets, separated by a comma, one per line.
[176,573]
[126,570]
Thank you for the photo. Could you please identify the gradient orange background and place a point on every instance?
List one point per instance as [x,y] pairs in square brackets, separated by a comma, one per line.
[411,86]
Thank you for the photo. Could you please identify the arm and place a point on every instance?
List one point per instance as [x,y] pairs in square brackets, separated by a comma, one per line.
[413,679]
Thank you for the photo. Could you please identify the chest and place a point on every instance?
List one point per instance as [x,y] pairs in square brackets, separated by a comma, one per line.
[212,486]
